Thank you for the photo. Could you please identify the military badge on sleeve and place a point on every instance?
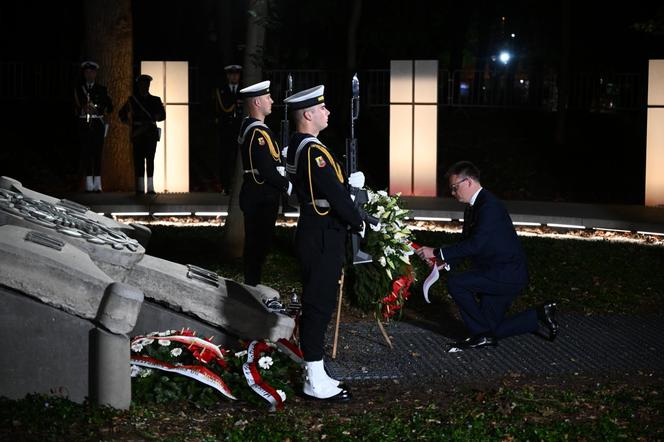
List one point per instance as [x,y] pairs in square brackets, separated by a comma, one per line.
[261,141]
[320,161]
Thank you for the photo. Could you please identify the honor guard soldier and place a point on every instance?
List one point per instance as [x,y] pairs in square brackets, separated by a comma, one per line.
[143,111]
[327,213]
[229,116]
[92,103]
[264,179]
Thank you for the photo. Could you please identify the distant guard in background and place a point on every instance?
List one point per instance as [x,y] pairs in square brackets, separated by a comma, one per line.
[143,111]
[264,179]
[92,104]
[228,118]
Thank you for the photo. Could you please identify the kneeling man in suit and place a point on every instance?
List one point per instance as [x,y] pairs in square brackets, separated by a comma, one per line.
[498,273]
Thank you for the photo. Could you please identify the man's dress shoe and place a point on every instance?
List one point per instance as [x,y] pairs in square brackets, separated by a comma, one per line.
[546,314]
[477,341]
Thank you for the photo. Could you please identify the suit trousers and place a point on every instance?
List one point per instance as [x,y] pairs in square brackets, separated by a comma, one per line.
[321,250]
[483,304]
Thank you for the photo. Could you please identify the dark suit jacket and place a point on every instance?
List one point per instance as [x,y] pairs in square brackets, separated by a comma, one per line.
[490,242]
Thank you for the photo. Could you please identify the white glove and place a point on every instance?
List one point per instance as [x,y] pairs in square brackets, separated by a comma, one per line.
[284,152]
[364,229]
[281,170]
[375,228]
[290,188]
[356,179]
[352,197]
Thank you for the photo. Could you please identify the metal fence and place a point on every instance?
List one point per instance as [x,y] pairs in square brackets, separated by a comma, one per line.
[600,92]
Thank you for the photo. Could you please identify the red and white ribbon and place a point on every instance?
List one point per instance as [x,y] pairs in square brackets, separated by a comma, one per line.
[201,374]
[254,379]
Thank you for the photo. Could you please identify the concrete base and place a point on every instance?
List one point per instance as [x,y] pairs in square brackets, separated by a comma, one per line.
[110,380]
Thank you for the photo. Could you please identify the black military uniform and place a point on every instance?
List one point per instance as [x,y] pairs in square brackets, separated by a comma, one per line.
[229,117]
[259,198]
[92,102]
[143,110]
[326,214]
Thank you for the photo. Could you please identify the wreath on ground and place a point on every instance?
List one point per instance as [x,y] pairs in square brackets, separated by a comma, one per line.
[179,365]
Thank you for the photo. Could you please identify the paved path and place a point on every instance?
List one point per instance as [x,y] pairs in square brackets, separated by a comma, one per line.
[585,345]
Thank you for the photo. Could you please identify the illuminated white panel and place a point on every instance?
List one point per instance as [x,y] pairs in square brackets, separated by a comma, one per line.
[177,149]
[170,82]
[656,83]
[156,70]
[426,81]
[401,149]
[655,157]
[401,81]
[177,82]
[424,150]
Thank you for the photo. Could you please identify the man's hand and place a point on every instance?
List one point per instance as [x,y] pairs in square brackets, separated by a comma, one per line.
[356,179]
[427,254]
[281,170]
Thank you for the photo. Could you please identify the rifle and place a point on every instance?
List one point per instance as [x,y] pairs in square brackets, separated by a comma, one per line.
[285,130]
[285,139]
[360,195]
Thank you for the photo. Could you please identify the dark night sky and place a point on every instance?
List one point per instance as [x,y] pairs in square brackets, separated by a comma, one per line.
[312,34]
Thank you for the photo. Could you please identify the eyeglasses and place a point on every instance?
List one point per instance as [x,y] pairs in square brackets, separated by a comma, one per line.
[455,186]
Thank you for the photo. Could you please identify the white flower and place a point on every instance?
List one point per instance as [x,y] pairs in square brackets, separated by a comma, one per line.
[265,362]
[153,334]
[135,370]
[382,193]
[145,372]
[145,342]
[380,210]
[176,352]
[375,228]
[136,347]
[282,395]
[389,251]
[164,342]
[382,261]
[163,333]
[239,354]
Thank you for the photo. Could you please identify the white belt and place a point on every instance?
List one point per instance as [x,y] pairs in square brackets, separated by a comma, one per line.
[320,203]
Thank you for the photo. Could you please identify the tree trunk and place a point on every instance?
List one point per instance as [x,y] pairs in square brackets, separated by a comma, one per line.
[233,241]
[109,42]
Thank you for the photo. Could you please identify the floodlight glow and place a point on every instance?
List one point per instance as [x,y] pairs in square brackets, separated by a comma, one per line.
[171,214]
[210,213]
[504,57]
[431,218]
[130,213]
[566,226]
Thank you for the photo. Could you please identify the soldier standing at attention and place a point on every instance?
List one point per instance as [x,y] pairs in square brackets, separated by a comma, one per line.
[143,111]
[92,103]
[264,179]
[229,116]
[327,212]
